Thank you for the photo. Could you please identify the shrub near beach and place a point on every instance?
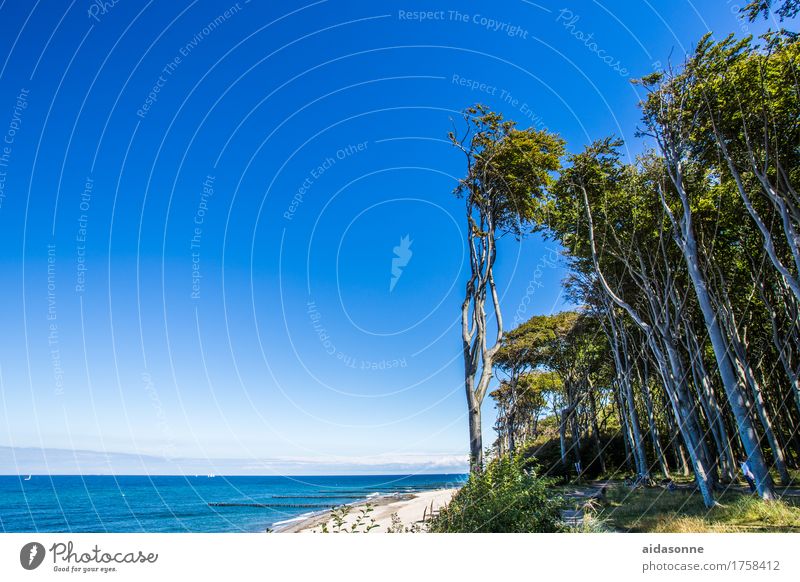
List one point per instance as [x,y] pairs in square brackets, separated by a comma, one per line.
[507,496]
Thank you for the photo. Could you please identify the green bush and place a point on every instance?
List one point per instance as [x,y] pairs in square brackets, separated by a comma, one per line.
[507,497]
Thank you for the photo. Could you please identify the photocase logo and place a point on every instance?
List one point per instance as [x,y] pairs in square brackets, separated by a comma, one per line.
[402,256]
[31,555]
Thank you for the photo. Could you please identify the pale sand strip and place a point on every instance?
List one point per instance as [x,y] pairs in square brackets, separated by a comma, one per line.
[410,508]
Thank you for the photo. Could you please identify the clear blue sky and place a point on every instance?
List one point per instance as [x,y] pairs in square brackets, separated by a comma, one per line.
[199,204]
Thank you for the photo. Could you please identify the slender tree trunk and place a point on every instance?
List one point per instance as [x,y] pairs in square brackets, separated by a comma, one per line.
[623,364]
[684,237]
[744,370]
[626,433]
[747,375]
[675,443]
[511,418]
[688,425]
[598,451]
[727,465]
[566,417]
[562,437]
[651,421]
[681,407]
[475,435]
[683,457]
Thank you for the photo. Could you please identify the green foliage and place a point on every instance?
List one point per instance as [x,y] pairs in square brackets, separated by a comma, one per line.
[528,398]
[338,520]
[553,358]
[550,341]
[509,172]
[785,9]
[508,496]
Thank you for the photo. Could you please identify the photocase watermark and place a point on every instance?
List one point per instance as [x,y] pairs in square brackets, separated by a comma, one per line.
[10,136]
[169,69]
[161,416]
[350,361]
[569,20]
[99,8]
[197,234]
[68,559]
[322,334]
[474,85]
[84,204]
[486,22]
[52,322]
[736,10]
[547,261]
[402,256]
[31,555]
[316,173]
[503,95]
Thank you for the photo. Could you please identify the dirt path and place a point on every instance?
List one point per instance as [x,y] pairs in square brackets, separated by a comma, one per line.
[577,496]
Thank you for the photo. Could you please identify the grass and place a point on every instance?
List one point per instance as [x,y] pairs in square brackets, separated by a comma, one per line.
[659,511]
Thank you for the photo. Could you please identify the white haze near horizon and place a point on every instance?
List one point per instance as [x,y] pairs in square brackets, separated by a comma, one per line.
[50,461]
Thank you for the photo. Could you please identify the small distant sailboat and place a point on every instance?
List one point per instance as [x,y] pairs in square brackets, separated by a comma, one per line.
[28,478]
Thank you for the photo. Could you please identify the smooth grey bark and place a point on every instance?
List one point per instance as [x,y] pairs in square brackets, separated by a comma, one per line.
[655,437]
[565,416]
[475,434]
[748,377]
[642,468]
[478,358]
[618,341]
[675,443]
[688,423]
[790,231]
[783,343]
[626,433]
[682,408]
[728,466]
[598,451]
[683,234]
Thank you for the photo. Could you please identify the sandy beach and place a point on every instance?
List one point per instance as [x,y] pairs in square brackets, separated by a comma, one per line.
[410,509]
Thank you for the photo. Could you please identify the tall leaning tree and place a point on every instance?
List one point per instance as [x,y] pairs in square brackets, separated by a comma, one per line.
[508,172]
[671,123]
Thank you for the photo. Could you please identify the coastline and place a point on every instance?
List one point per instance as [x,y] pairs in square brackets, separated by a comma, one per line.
[409,507]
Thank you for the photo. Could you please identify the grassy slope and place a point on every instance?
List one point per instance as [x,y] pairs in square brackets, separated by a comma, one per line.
[658,510]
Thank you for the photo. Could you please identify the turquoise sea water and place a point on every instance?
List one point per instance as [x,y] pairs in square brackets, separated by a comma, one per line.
[94,503]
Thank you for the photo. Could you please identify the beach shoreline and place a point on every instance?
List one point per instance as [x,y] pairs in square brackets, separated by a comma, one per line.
[410,509]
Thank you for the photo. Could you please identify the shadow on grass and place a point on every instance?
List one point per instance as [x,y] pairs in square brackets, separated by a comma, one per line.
[660,511]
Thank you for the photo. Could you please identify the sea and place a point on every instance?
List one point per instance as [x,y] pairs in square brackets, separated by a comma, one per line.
[135,503]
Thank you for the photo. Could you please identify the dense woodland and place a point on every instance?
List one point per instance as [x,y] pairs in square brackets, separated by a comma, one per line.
[685,262]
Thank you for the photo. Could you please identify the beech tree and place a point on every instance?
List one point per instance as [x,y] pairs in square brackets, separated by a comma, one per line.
[560,355]
[731,115]
[686,265]
[508,172]
[519,410]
